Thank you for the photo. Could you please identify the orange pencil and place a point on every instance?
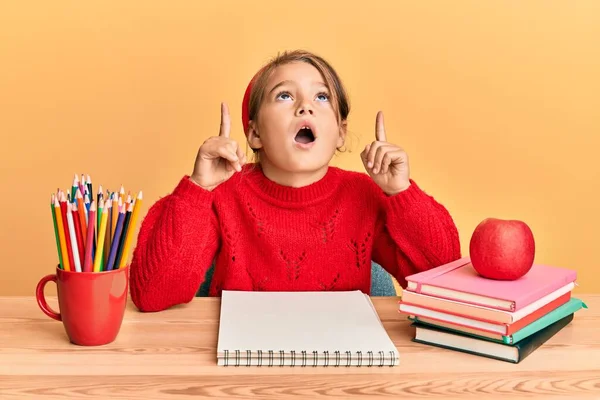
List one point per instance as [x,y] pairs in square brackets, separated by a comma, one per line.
[130,230]
[82,215]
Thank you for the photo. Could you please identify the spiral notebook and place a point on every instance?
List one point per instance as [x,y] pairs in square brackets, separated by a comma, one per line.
[302,329]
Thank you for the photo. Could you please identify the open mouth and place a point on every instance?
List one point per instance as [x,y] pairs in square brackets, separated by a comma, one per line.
[305,135]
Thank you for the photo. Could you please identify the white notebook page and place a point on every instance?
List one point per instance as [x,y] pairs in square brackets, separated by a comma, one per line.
[300,321]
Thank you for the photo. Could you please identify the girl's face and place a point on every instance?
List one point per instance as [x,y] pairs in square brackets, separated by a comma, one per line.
[297,127]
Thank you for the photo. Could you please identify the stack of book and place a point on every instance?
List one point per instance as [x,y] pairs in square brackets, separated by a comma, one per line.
[454,307]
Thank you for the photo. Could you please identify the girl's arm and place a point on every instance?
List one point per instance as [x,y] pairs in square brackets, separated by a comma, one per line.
[176,245]
[415,233]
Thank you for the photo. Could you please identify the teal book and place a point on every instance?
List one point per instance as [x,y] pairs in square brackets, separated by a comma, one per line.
[515,353]
[570,307]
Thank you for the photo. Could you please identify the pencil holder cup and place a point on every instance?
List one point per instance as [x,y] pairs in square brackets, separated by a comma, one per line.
[91,304]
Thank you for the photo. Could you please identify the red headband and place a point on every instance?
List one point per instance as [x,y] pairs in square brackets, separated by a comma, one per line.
[245,107]
[246,101]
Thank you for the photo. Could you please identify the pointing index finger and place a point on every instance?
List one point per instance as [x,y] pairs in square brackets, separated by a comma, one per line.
[225,121]
[380,128]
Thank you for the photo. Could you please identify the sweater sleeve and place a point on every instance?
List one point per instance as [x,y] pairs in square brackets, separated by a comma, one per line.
[176,245]
[415,233]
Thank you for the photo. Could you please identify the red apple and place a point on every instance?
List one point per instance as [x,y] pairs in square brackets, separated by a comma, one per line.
[502,249]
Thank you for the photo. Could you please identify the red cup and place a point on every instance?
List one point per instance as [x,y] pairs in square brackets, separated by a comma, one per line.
[91,304]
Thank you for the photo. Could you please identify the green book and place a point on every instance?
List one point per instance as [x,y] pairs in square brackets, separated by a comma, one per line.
[557,314]
[514,353]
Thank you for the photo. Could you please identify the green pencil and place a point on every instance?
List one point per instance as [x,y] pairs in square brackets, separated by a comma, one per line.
[74,187]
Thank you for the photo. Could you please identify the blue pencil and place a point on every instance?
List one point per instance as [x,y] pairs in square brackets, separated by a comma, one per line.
[115,240]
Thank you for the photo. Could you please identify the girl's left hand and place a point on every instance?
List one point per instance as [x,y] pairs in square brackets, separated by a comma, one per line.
[386,163]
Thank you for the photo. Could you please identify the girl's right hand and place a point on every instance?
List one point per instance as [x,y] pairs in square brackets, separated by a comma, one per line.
[219,157]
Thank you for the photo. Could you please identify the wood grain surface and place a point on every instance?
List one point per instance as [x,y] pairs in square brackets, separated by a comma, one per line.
[172,354]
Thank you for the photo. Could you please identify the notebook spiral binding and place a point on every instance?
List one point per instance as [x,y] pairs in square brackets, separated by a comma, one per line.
[277,358]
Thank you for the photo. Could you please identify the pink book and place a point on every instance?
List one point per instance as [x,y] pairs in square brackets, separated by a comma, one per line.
[459,281]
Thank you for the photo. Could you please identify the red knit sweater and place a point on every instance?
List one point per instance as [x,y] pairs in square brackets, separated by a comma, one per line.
[265,236]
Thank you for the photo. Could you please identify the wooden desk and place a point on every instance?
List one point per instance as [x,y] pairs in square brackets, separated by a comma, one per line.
[171,354]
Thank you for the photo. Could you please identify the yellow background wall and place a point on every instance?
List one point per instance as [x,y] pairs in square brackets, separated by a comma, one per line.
[497,104]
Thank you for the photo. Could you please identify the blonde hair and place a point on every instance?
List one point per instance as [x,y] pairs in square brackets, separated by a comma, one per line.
[339,97]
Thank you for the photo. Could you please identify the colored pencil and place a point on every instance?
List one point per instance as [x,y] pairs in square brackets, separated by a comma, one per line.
[101,235]
[115,214]
[99,212]
[74,188]
[99,197]
[82,215]
[79,233]
[107,209]
[87,265]
[61,236]
[116,238]
[63,213]
[56,235]
[123,232]
[106,199]
[93,232]
[130,229]
[87,204]
[73,237]
[82,184]
[89,185]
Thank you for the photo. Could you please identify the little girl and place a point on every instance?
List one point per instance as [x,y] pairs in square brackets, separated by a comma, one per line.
[289,222]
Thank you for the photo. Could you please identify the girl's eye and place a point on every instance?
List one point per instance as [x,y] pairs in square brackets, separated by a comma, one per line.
[283,96]
[323,96]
